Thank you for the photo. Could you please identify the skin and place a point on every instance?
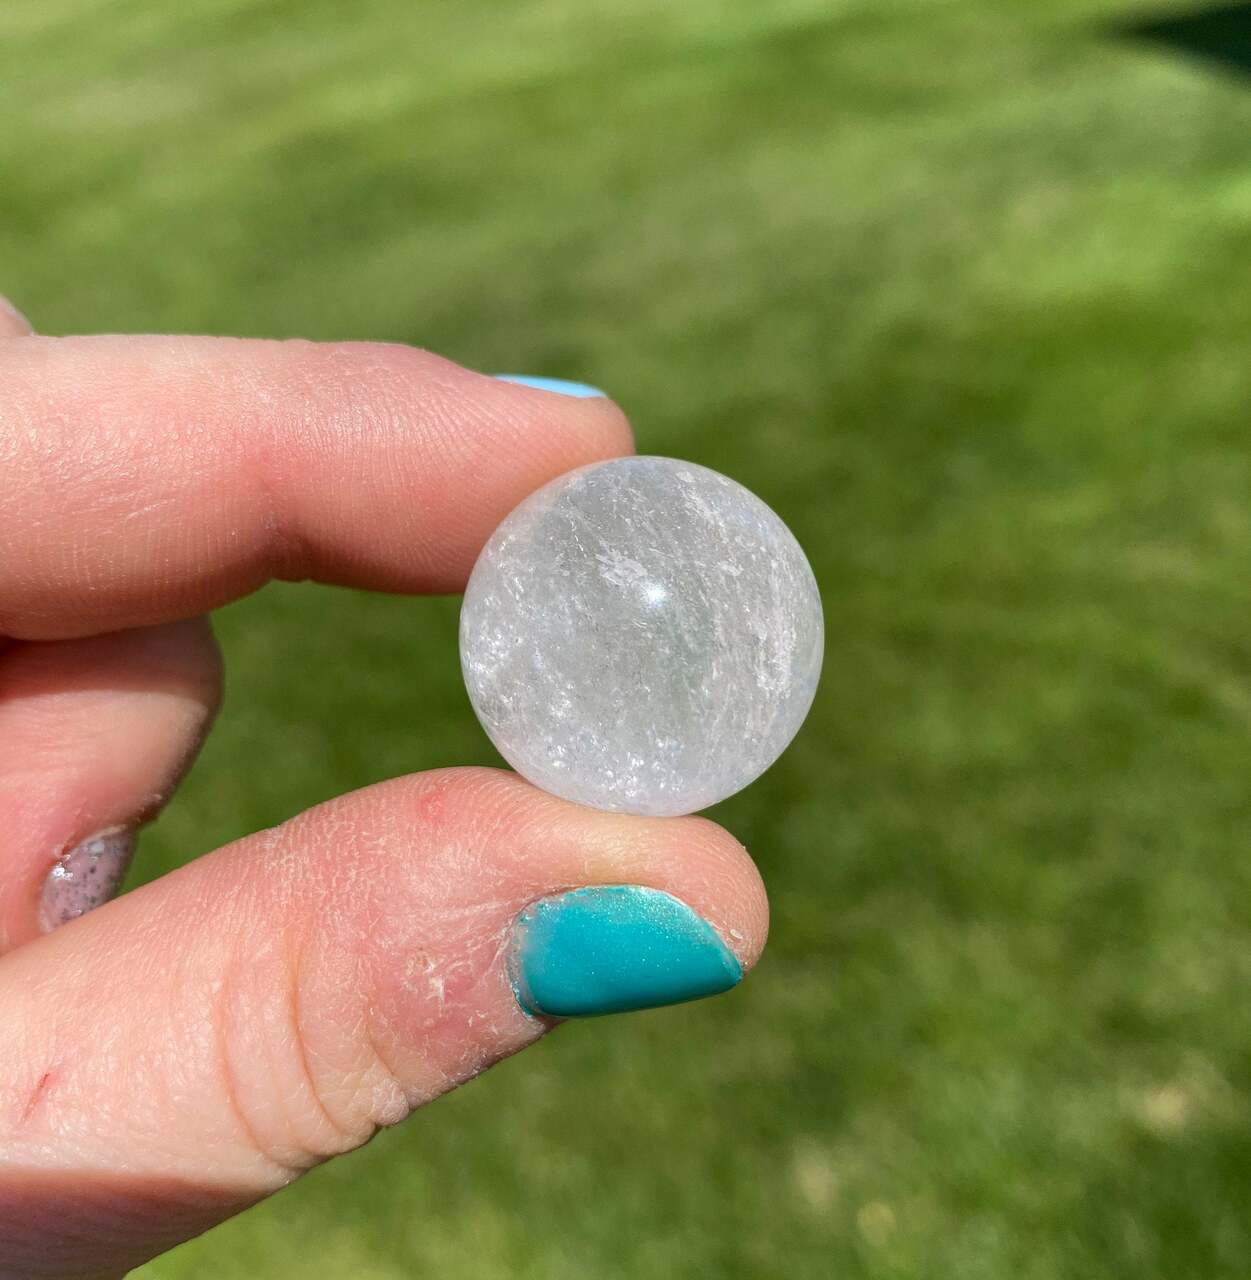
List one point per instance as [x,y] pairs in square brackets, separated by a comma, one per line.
[186,1050]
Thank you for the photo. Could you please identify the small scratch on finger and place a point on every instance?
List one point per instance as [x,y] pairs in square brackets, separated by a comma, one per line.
[37,1095]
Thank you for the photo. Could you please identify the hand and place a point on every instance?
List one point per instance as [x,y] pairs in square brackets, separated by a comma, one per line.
[175,1055]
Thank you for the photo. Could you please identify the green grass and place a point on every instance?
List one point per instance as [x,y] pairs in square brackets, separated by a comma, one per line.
[963,290]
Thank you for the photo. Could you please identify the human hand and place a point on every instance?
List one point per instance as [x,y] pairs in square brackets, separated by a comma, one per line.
[176,1055]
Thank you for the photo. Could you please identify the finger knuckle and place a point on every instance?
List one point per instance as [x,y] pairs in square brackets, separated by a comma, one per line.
[302,1081]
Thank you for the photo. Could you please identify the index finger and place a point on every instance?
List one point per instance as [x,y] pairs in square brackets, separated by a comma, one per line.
[145,479]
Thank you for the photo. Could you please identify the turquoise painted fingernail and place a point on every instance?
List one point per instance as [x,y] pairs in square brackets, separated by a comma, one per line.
[578,389]
[614,948]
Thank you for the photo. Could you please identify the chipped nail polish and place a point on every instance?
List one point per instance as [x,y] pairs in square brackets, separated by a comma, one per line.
[85,876]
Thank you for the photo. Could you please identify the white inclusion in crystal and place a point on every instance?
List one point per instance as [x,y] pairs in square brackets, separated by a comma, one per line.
[642,635]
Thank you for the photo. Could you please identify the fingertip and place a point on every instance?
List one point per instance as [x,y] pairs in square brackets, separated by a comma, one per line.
[558,386]
[499,837]
[705,866]
[468,447]
[587,424]
[737,902]
[637,912]
[541,840]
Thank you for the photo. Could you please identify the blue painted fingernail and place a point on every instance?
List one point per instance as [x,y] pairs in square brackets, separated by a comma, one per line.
[580,390]
[614,948]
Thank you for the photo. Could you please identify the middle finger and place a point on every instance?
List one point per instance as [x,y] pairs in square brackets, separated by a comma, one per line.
[94,735]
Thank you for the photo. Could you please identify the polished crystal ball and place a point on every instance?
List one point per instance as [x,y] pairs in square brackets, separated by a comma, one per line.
[642,635]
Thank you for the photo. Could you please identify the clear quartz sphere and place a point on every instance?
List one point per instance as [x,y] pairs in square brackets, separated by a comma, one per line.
[642,635]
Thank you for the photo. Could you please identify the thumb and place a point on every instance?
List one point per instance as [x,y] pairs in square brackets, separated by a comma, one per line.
[181,1052]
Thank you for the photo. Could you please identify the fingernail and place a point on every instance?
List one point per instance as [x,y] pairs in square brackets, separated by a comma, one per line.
[614,948]
[88,875]
[578,389]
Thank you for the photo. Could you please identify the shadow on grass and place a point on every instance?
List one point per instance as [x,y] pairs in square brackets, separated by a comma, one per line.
[1220,34]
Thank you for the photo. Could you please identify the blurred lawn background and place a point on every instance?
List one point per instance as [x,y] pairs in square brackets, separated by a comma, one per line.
[963,290]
